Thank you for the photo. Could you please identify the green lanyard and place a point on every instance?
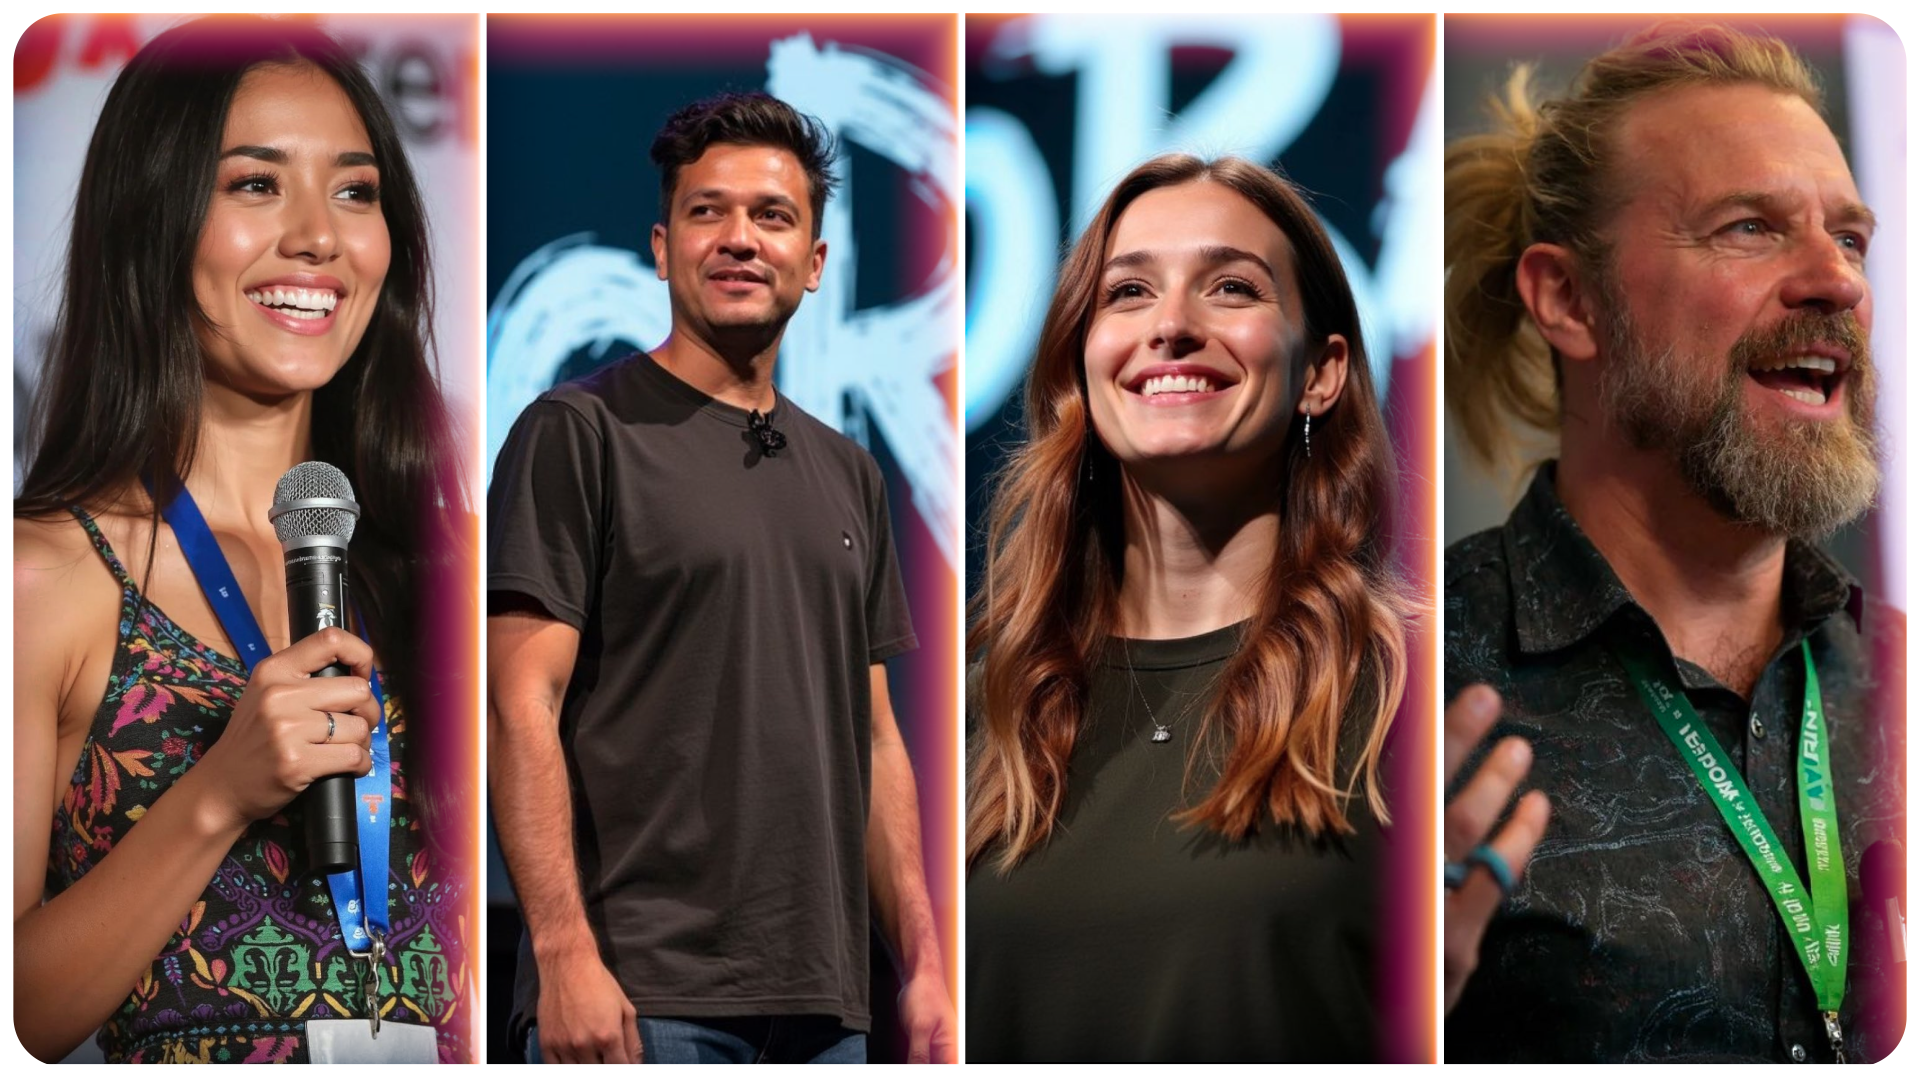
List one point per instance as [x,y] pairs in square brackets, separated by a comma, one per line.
[1817,923]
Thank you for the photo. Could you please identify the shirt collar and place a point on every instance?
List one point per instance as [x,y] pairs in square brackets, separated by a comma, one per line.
[1563,590]
[1818,587]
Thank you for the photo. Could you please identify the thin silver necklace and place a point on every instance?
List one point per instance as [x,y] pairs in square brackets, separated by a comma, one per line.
[1161,732]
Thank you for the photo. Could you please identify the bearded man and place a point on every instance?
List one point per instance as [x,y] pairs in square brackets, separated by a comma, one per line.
[1668,266]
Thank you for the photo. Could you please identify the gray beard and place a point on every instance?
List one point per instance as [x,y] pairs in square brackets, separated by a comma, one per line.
[1805,480]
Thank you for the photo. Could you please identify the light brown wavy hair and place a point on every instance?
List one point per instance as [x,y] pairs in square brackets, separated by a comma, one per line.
[1327,645]
[1545,174]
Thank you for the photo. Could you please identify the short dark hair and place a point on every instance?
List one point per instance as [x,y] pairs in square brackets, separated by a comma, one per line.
[749,119]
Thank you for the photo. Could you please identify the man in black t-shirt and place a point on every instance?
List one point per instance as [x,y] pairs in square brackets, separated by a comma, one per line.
[696,776]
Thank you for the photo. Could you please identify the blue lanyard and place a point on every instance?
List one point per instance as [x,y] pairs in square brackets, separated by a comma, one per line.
[362,911]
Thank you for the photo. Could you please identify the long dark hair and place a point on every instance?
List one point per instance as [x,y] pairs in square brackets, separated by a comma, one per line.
[1328,643]
[123,381]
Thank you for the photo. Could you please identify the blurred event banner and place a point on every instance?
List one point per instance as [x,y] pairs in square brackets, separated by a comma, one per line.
[573,105]
[424,67]
[1059,108]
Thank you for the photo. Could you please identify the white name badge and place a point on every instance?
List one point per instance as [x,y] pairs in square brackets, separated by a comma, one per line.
[351,1042]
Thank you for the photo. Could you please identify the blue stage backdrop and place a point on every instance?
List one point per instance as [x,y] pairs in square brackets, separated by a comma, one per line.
[573,105]
[1059,108]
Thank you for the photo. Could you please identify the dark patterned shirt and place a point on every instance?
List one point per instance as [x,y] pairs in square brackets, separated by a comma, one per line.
[259,954]
[1641,932]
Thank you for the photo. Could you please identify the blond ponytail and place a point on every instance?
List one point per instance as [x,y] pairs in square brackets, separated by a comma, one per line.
[1497,365]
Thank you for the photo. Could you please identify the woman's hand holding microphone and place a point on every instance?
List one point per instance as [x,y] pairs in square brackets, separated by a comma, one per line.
[292,728]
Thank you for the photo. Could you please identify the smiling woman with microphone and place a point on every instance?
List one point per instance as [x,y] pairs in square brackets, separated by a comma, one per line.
[246,290]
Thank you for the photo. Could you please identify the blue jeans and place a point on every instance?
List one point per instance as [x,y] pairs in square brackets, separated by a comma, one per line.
[740,1040]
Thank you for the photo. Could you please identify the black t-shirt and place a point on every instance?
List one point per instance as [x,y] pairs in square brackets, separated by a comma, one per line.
[1128,937]
[716,724]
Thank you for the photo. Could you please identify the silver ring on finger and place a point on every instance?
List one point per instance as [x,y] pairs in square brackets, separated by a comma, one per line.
[330,727]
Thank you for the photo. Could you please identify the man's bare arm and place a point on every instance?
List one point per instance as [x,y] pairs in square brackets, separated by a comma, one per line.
[583,1014]
[897,880]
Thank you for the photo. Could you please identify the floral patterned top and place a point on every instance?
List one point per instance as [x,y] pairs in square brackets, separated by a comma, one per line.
[260,953]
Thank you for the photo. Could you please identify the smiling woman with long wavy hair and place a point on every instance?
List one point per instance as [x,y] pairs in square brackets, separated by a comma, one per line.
[1189,645]
[247,288]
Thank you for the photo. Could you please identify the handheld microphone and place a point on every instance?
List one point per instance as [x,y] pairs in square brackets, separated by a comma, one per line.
[313,514]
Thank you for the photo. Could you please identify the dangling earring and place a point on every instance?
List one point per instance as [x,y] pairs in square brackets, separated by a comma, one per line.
[1306,432]
[1086,451]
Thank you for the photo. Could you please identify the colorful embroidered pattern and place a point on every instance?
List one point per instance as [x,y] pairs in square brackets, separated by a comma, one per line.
[260,953]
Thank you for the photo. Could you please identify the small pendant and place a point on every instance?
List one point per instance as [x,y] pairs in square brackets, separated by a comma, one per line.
[1161,734]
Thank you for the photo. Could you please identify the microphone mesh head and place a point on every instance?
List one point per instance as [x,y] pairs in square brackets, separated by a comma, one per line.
[312,480]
